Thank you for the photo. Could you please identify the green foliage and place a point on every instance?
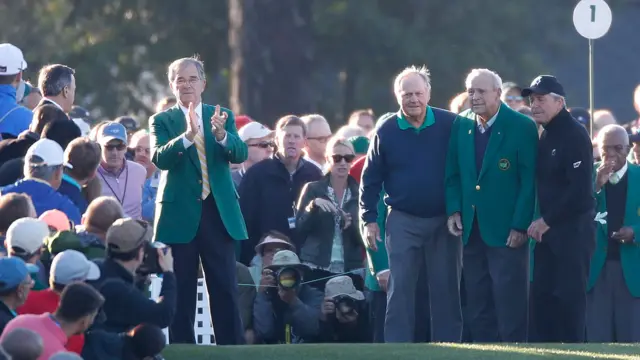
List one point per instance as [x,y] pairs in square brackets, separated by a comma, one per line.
[120,48]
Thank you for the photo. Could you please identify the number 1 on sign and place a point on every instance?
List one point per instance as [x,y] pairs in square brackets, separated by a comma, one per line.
[593,13]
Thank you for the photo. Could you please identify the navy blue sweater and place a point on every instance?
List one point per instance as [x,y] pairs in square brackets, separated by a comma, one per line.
[411,167]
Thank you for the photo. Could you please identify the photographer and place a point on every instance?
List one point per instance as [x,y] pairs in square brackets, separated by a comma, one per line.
[129,252]
[344,317]
[285,310]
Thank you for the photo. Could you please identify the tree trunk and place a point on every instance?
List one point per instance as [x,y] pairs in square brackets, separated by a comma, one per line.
[271,55]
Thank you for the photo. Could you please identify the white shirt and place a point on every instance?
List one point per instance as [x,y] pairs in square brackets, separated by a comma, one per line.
[54,103]
[324,168]
[616,176]
[482,127]
[186,141]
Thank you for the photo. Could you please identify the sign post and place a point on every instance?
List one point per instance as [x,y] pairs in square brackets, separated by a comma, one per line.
[592,19]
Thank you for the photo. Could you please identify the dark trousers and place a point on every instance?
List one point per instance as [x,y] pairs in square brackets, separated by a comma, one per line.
[613,314]
[214,247]
[561,269]
[377,309]
[497,288]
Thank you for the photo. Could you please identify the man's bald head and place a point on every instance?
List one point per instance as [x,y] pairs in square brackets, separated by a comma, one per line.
[22,344]
[615,133]
[101,214]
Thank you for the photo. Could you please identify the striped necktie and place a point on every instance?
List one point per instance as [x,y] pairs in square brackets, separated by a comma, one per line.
[202,155]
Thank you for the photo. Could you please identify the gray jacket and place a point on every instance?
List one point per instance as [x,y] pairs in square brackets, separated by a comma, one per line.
[303,317]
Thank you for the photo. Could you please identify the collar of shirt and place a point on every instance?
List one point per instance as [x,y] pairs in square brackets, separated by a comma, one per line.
[39,181]
[185,111]
[54,103]
[71,181]
[404,124]
[4,306]
[482,127]
[324,167]
[620,173]
[104,171]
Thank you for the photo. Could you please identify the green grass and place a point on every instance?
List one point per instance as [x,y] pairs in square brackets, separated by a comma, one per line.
[407,351]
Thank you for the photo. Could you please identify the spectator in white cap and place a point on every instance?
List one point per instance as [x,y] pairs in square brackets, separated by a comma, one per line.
[343,314]
[67,267]
[25,240]
[43,165]
[260,144]
[14,118]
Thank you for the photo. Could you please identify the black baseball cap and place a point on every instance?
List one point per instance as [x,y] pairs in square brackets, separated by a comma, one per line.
[581,115]
[543,85]
[128,122]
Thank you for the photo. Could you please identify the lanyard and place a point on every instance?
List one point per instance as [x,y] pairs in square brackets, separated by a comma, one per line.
[126,182]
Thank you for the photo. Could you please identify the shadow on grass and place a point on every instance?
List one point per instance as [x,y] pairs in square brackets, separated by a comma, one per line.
[405,351]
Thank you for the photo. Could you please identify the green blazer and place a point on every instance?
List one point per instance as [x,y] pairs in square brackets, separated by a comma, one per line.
[377,260]
[502,194]
[179,203]
[629,253]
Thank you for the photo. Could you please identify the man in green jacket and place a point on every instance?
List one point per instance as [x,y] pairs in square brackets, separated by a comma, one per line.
[613,289]
[490,190]
[198,213]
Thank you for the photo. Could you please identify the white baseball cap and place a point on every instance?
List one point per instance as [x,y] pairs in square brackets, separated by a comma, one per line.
[49,151]
[70,266]
[11,60]
[85,128]
[253,130]
[28,234]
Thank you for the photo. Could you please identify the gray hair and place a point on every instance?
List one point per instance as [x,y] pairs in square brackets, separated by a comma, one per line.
[559,97]
[311,119]
[180,63]
[54,78]
[34,171]
[613,129]
[422,71]
[497,80]
[348,131]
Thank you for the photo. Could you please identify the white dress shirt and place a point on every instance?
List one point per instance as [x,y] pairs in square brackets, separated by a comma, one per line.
[482,127]
[616,176]
[186,141]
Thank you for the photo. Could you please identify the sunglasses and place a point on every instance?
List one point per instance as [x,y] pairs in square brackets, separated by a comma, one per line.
[118,147]
[515,98]
[264,145]
[348,158]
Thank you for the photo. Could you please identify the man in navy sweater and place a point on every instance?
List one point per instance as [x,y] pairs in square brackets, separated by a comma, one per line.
[407,156]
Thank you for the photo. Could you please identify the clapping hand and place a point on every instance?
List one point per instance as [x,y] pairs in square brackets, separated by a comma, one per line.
[192,123]
[218,120]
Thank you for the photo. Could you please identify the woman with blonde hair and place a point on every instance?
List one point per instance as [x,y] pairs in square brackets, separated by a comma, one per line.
[327,219]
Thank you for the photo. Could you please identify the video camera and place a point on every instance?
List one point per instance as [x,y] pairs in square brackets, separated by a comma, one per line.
[150,264]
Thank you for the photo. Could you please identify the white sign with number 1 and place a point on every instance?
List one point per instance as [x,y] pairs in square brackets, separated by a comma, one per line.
[592,18]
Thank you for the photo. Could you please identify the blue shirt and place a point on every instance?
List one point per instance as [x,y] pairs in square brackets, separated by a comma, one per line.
[17,118]
[44,198]
[410,163]
[149,192]
[70,188]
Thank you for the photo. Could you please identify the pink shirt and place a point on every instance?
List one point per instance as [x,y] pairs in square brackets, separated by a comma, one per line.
[126,187]
[53,338]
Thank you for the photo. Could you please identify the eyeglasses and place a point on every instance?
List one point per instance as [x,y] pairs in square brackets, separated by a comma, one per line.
[338,158]
[191,82]
[322,139]
[514,98]
[118,147]
[264,144]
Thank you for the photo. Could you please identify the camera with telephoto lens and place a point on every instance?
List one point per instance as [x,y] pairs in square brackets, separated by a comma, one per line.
[150,264]
[345,304]
[286,277]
